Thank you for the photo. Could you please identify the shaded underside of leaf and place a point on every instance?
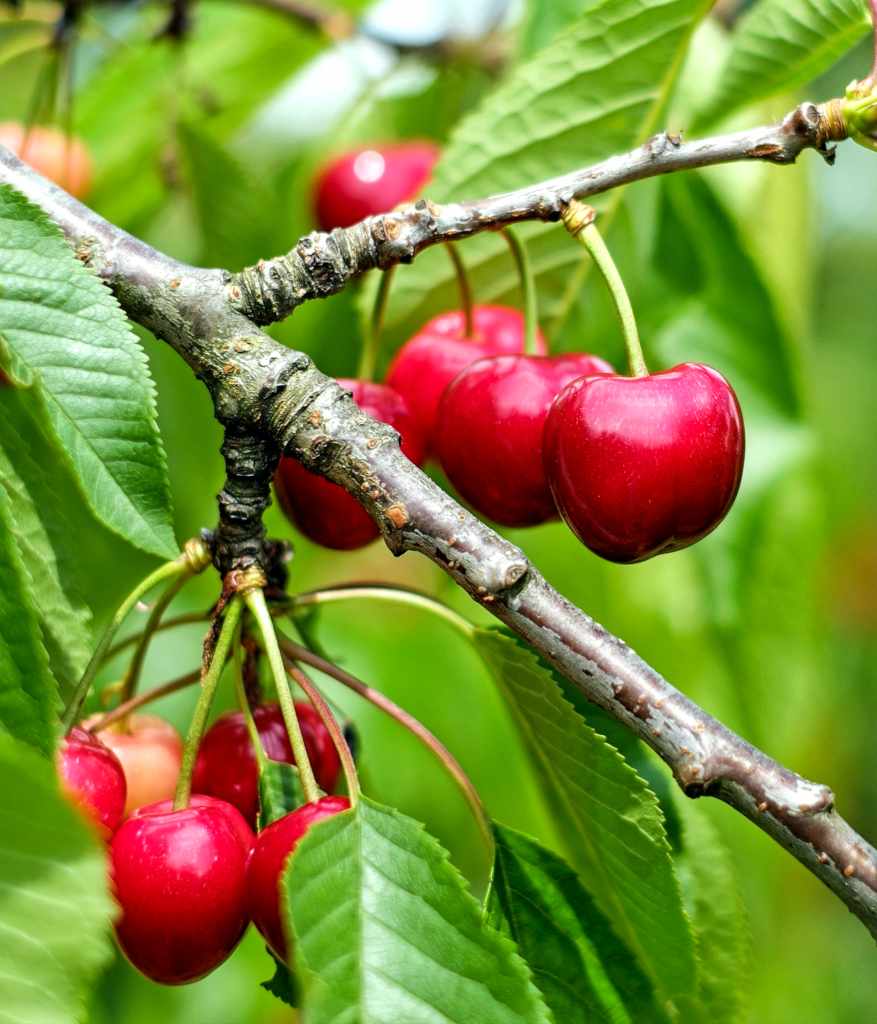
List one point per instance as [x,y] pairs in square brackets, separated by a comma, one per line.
[610,820]
[385,930]
[55,907]
[66,327]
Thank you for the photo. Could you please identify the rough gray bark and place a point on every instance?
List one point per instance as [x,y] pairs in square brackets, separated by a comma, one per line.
[270,398]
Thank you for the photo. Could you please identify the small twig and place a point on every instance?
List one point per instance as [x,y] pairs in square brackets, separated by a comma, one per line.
[328,719]
[123,710]
[295,652]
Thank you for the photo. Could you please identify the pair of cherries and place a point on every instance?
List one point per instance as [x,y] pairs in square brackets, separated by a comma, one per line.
[636,466]
[189,881]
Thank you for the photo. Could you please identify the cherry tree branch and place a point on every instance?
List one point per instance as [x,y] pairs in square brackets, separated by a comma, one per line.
[265,392]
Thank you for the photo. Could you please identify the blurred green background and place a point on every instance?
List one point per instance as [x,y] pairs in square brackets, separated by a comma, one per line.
[771,624]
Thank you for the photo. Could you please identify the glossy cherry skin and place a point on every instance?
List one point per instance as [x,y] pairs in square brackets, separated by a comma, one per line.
[325,512]
[368,181]
[150,751]
[180,880]
[643,465]
[425,365]
[265,868]
[49,151]
[92,777]
[226,765]
[489,432]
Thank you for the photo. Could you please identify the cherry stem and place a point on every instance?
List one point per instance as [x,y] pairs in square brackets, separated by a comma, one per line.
[244,701]
[368,358]
[167,571]
[579,221]
[873,6]
[255,600]
[132,676]
[296,652]
[328,719]
[528,289]
[384,592]
[126,707]
[465,288]
[202,708]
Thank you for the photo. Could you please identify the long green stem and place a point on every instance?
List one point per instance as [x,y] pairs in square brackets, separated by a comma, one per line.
[162,573]
[202,708]
[465,289]
[295,652]
[579,221]
[255,600]
[384,592]
[328,719]
[132,676]
[528,290]
[368,358]
[252,729]
[124,709]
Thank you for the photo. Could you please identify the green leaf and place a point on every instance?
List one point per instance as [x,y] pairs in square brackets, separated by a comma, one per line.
[607,815]
[709,881]
[27,691]
[282,984]
[601,87]
[47,519]
[237,213]
[543,22]
[385,930]
[279,791]
[54,902]
[583,971]
[780,45]
[67,329]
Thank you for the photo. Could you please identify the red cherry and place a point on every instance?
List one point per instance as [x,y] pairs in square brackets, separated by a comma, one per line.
[49,151]
[643,465]
[325,512]
[92,777]
[489,432]
[226,765]
[428,362]
[273,847]
[366,182]
[150,751]
[180,880]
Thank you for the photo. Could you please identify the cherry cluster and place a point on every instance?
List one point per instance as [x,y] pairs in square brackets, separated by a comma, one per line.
[635,466]
[188,880]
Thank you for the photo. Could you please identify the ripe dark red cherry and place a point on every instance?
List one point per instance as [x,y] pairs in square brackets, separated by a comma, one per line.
[150,751]
[428,362]
[226,764]
[180,881]
[93,778]
[367,181]
[273,846]
[643,465]
[489,432]
[325,512]
[49,151]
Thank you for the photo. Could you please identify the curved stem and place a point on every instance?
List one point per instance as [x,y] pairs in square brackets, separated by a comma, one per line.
[385,592]
[162,573]
[298,653]
[528,290]
[579,221]
[185,619]
[124,709]
[255,600]
[368,358]
[132,676]
[202,708]
[328,719]
[465,287]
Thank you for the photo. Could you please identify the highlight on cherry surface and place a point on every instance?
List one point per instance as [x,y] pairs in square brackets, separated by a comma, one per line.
[179,877]
[371,180]
[643,465]
[323,511]
[272,849]
[92,777]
